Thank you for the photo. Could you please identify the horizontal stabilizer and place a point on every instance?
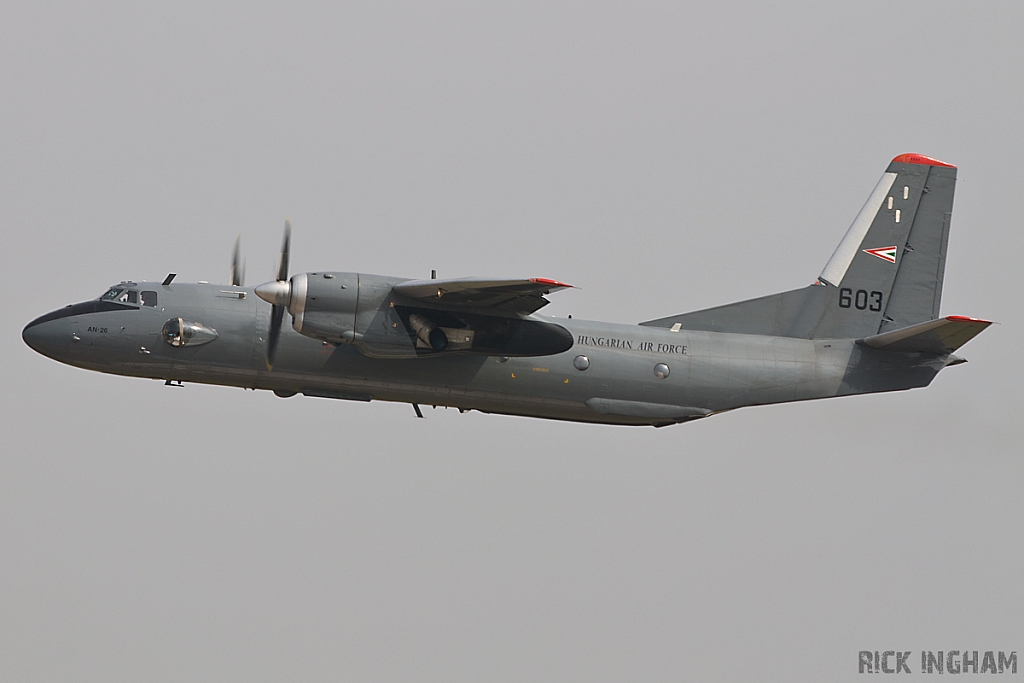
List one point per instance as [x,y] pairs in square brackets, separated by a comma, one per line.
[941,336]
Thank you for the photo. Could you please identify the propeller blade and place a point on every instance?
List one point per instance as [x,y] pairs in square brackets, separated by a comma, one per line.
[276,317]
[282,269]
[277,293]
[237,266]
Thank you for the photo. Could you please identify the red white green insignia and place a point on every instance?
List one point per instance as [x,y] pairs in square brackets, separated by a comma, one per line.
[884,253]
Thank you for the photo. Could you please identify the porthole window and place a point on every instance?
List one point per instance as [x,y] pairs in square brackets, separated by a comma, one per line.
[581,363]
[661,371]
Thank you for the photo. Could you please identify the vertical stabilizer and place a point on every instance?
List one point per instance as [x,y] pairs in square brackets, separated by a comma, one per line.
[885,274]
[887,271]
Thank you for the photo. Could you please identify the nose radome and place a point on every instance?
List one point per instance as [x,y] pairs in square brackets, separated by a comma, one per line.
[50,338]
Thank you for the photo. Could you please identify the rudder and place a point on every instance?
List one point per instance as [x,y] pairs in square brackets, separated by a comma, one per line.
[917,291]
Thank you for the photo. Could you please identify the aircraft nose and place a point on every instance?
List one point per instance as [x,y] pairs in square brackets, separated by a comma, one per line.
[49,337]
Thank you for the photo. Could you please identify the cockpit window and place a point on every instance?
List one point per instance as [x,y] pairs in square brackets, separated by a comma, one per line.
[125,295]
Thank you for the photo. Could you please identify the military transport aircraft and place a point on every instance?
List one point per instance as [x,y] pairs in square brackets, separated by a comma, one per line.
[868,324]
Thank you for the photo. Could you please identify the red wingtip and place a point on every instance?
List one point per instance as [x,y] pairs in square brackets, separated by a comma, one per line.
[965,319]
[920,159]
[546,281]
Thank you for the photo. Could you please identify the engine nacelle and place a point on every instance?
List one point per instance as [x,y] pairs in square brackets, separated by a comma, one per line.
[361,309]
[323,305]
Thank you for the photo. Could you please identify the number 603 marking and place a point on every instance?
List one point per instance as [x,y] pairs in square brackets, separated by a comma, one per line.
[863,299]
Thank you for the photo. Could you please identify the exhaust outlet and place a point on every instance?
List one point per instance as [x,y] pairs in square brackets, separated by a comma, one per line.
[429,333]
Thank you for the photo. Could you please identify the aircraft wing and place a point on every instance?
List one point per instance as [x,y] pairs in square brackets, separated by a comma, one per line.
[521,297]
[944,335]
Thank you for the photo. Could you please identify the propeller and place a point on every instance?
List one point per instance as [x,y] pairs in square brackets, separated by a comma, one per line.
[278,293]
[237,266]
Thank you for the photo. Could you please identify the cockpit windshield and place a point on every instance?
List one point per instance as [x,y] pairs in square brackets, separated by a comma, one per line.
[125,295]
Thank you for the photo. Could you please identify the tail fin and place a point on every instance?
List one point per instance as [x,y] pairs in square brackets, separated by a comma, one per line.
[887,271]
[885,274]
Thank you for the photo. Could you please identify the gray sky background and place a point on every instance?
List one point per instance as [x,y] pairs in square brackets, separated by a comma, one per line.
[663,157]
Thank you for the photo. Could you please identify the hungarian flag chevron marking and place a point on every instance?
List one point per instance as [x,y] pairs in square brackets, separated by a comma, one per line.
[884,253]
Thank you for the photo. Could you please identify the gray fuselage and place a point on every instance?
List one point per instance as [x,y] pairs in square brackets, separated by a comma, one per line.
[708,372]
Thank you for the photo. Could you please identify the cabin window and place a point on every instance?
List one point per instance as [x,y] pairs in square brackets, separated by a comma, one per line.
[132,296]
[149,299]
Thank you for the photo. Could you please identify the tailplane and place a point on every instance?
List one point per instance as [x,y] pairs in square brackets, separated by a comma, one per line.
[941,336]
[885,275]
